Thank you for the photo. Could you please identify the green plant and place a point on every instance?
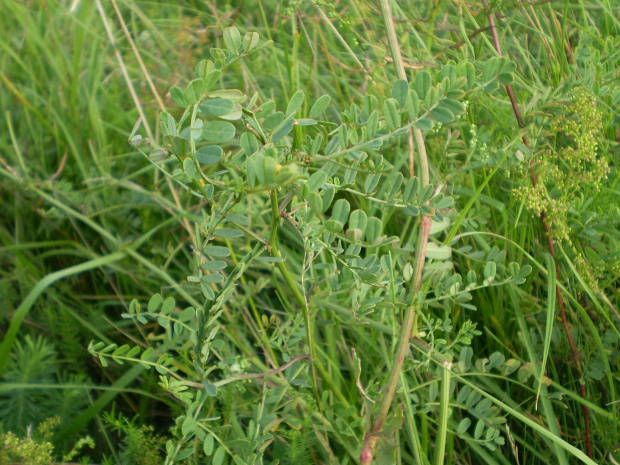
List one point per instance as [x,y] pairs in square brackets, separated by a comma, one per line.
[139,443]
[36,448]
[306,172]
[86,227]
[27,450]
[35,362]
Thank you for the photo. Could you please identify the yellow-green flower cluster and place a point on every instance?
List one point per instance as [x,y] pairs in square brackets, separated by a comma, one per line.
[570,164]
[26,450]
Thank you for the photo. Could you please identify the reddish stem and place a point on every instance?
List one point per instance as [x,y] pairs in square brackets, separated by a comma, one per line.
[571,341]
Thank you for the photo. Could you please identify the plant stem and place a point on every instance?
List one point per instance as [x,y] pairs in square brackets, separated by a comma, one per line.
[300,299]
[444,413]
[550,244]
[392,38]
[372,437]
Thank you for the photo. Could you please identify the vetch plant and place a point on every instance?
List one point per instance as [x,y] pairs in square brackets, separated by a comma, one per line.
[305,223]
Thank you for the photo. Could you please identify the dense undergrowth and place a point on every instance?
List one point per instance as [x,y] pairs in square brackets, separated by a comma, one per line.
[236,279]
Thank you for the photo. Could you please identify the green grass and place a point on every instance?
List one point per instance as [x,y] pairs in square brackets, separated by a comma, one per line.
[87,224]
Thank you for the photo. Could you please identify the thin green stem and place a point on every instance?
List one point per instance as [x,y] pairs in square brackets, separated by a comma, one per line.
[301,300]
[444,414]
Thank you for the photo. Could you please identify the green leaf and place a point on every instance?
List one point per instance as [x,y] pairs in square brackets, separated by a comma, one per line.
[334,226]
[228,233]
[491,86]
[448,71]
[443,115]
[316,180]
[120,351]
[328,197]
[525,271]
[196,130]
[297,100]
[340,211]
[220,454]
[315,202]
[213,278]
[412,210]
[491,68]
[189,426]
[203,68]
[422,84]
[374,229]
[463,426]
[211,79]
[396,181]
[209,154]
[208,443]
[506,78]
[443,203]
[358,220]
[438,252]
[400,91]
[390,113]
[216,251]
[250,40]
[169,126]
[214,265]
[232,39]
[305,122]
[238,219]
[411,190]
[468,71]
[343,136]
[168,305]
[479,429]
[211,390]
[182,455]
[193,91]
[496,360]
[372,124]
[283,130]
[190,169]
[424,124]
[454,106]
[216,107]
[270,259]
[319,107]
[413,105]
[249,143]
[490,269]
[154,303]
[177,96]
[146,355]
[238,460]
[273,121]
[231,94]
[207,291]
[371,182]
[133,352]
[218,131]
[180,146]
[187,314]
[438,226]
[508,67]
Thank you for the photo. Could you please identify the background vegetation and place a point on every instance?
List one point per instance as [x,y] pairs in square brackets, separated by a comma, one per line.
[88,224]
